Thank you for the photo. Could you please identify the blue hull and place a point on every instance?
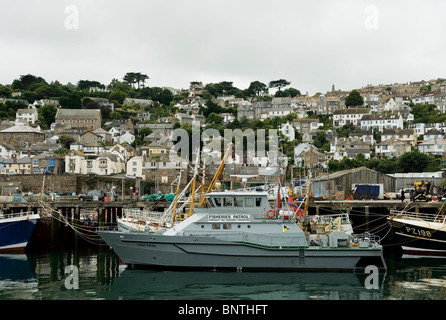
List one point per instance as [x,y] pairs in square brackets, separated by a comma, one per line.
[14,235]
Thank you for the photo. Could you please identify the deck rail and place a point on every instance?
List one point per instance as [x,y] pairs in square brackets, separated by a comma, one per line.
[429,217]
[15,215]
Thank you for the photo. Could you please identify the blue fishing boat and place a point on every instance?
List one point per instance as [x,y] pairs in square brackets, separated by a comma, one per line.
[16,228]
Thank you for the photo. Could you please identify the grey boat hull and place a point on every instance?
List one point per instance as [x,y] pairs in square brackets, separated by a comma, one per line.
[194,252]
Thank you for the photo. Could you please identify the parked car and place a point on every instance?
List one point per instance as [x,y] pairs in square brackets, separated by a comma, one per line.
[93,195]
[407,192]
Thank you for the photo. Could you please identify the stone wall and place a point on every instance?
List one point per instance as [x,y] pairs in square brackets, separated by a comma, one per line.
[67,183]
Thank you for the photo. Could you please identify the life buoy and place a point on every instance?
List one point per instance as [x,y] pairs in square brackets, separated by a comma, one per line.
[270,213]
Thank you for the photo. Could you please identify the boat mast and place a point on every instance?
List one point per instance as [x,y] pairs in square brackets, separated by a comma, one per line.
[203,181]
[174,212]
[307,197]
[218,173]
[194,182]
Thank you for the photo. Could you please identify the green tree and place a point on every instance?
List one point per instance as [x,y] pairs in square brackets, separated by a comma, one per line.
[279,84]
[130,78]
[214,118]
[354,99]
[258,88]
[5,92]
[66,141]
[425,113]
[321,141]
[414,159]
[86,84]
[27,82]
[140,79]
[117,95]
[47,114]
[292,92]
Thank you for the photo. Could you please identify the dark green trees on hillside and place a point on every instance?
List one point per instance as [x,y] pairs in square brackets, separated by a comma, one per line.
[354,99]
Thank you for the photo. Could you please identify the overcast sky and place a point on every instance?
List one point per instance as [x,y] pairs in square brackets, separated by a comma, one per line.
[313,44]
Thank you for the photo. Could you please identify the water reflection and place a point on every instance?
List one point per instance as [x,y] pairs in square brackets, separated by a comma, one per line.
[417,278]
[40,275]
[146,284]
[17,279]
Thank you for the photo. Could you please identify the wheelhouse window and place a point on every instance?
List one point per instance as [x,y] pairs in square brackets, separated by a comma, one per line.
[249,202]
[238,202]
[227,202]
[258,202]
[217,202]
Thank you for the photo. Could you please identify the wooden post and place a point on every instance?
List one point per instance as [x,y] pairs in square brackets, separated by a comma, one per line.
[101,217]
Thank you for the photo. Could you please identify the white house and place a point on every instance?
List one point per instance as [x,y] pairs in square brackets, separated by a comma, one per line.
[381,121]
[288,131]
[114,132]
[135,166]
[392,148]
[125,150]
[126,137]
[390,105]
[299,152]
[27,115]
[353,116]
[104,164]
[227,117]
[6,150]
[434,146]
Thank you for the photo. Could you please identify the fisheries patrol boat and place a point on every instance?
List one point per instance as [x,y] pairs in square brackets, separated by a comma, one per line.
[240,230]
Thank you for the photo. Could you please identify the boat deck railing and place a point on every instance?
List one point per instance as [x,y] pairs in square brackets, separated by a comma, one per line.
[143,214]
[418,216]
[15,215]
[366,236]
[328,218]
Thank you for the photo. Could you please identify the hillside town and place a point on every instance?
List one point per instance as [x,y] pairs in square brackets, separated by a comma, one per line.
[107,132]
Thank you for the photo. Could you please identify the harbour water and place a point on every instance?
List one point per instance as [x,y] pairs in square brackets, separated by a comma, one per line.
[95,273]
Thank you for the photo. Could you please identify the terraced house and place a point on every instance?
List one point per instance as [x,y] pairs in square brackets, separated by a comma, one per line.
[86,119]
